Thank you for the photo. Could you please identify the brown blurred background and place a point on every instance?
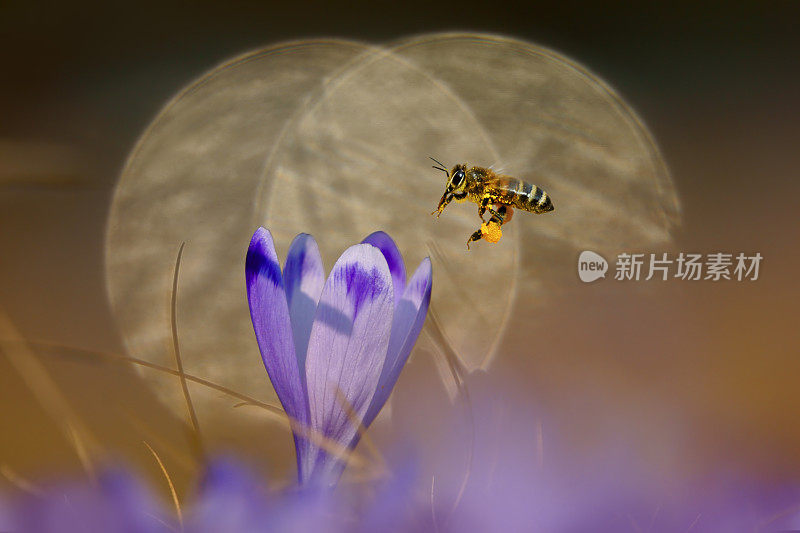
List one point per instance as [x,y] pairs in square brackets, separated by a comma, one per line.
[692,377]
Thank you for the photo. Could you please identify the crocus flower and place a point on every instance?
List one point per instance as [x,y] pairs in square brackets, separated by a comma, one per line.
[333,348]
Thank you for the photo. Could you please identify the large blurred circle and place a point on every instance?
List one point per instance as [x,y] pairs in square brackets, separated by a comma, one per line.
[192,177]
[557,125]
[332,138]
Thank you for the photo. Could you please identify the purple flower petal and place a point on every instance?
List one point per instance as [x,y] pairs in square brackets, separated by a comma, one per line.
[406,327]
[117,503]
[303,277]
[347,349]
[230,498]
[394,508]
[270,315]
[394,259]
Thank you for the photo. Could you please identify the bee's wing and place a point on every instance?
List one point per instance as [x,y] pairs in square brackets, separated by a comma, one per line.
[501,183]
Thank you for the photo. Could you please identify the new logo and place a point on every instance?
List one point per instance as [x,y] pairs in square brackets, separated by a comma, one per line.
[591,266]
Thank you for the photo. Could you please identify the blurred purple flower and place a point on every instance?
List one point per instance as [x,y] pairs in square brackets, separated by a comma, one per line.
[336,345]
[117,503]
[231,499]
[495,470]
[228,499]
[506,490]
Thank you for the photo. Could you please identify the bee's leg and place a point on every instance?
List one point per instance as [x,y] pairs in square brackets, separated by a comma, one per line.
[474,237]
[446,199]
[497,216]
[482,207]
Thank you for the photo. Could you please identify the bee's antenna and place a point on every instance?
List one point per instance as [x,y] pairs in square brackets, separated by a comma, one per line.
[436,161]
[440,167]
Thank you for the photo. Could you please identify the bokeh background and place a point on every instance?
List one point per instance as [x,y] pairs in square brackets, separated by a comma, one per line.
[684,379]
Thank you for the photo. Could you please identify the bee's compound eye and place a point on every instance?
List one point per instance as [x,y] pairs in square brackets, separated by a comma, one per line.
[458,177]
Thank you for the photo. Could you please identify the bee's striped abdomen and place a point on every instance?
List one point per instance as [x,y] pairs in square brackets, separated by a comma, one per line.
[539,201]
[531,198]
[516,193]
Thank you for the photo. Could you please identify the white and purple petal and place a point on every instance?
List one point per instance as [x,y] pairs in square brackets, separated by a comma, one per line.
[394,259]
[303,279]
[269,312]
[346,351]
[406,327]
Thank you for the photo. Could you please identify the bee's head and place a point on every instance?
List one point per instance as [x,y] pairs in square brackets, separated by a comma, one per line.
[456,184]
[457,181]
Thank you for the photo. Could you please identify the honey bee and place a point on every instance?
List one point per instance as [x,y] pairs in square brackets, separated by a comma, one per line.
[497,194]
